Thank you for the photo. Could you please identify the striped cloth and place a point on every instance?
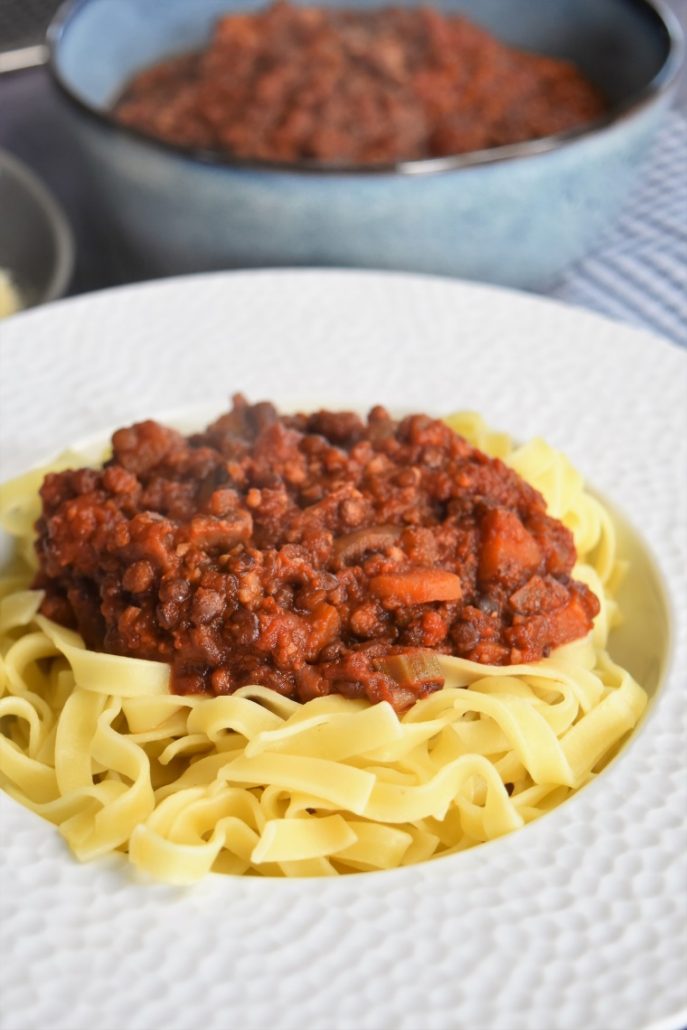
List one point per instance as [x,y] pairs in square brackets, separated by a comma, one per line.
[638,273]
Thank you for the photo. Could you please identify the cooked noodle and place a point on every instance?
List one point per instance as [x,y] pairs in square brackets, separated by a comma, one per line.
[256,783]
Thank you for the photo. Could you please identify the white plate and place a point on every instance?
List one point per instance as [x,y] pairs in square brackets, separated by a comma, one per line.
[578,920]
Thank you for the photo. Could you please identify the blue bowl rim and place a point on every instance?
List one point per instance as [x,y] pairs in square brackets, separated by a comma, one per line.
[660,84]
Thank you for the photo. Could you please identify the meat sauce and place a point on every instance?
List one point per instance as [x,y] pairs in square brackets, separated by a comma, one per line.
[293,83]
[309,553]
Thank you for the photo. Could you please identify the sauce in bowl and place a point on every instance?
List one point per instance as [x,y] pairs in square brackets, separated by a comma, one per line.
[349,86]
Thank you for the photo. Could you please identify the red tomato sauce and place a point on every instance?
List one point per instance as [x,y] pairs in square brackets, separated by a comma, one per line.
[309,553]
[305,83]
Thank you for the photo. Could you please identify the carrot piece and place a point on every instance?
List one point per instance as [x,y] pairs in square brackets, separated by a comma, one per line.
[420,586]
[509,553]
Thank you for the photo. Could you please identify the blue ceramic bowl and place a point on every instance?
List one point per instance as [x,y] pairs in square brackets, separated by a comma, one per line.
[517,215]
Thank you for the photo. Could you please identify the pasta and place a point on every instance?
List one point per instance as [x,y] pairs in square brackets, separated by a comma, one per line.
[9,297]
[256,783]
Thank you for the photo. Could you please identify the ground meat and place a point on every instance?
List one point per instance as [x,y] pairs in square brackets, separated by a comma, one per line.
[331,85]
[310,553]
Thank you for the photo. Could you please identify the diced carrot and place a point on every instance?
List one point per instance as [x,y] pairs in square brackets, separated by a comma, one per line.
[324,626]
[570,621]
[509,553]
[419,586]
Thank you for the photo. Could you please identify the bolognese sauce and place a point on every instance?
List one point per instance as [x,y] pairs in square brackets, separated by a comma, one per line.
[311,554]
[291,83]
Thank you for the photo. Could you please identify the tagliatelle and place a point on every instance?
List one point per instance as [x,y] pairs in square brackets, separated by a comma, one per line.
[253,782]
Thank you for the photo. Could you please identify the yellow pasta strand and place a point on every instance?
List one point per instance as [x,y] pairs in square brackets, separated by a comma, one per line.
[292,840]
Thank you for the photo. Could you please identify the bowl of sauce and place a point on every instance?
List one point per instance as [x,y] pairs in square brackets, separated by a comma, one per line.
[487,140]
[342,87]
